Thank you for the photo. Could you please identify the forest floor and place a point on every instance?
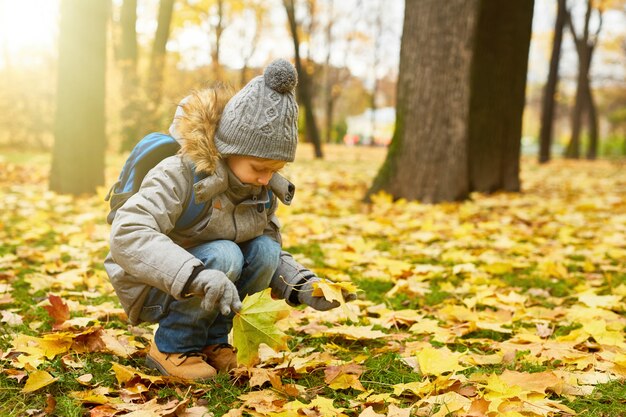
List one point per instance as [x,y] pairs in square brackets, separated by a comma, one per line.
[502,305]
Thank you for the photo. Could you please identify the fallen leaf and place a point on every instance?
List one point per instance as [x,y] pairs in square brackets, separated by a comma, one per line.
[256,324]
[57,310]
[344,376]
[37,380]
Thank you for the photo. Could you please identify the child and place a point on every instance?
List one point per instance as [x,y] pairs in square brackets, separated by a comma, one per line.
[191,281]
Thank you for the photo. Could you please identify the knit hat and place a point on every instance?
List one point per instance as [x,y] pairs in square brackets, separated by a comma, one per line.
[262,119]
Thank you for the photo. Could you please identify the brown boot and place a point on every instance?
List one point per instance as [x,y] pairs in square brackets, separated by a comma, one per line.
[190,365]
[222,356]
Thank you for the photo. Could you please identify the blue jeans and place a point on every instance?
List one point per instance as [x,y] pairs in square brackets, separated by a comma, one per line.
[183,325]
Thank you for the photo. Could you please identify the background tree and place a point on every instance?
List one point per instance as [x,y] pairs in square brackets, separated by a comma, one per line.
[305,95]
[127,60]
[377,46]
[549,91]
[339,44]
[585,46]
[78,154]
[156,69]
[257,11]
[460,100]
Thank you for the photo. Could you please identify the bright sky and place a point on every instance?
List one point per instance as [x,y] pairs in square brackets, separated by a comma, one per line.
[28,30]
[28,33]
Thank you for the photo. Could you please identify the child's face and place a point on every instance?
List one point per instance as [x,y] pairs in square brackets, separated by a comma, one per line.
[252,170]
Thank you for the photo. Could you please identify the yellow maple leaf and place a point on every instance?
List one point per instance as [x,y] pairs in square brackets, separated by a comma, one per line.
[332,291]
[124,374]
[344,376]
[256,324]
[354,332]
[438,361]
[37,380]
[97,395]
[450,402]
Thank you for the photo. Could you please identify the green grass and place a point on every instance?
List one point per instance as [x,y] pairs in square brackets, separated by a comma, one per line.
[607,400]
[385,370]
[526,280]
[375,289]
[312,251]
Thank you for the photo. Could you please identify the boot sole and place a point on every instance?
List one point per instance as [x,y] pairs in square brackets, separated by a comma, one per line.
[153,364]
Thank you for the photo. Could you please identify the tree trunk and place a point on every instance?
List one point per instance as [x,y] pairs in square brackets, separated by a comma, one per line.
[378,25]
[584,60]
[499,65]
[157,58]
[547,105]
[304,83]
[328,84]
[460,100]
[573,147]
[79,131]
[427,158]
[592,149]
[215,53]
[127,62]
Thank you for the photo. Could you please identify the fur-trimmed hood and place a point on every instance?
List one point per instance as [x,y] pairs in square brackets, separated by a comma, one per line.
[194,125]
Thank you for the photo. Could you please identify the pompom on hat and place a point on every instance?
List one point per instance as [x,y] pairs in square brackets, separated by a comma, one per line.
[261,120]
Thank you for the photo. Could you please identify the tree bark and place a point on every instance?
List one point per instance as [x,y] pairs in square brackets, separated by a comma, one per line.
[427,158]
[304,83]
[499,64]
[549,91]
[78,154]
[460,100]
[592,149]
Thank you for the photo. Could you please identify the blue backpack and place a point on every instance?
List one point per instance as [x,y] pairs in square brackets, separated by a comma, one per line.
[148,152]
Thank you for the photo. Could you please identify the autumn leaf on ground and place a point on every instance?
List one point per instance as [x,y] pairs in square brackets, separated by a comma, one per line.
[38,380]
[57,310]
[438,361]
[123,374]
[256,324]
[344,376]
[333,291]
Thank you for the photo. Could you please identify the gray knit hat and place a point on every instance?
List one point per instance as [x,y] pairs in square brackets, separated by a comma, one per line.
[262,119]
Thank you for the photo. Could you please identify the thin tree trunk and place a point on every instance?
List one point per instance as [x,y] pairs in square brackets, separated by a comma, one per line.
[259,13]
[328,87]
[157,58]
[378,24]
[573,148]
[549,92]
[592,149]
[304,83]
[78,154]
[215,53]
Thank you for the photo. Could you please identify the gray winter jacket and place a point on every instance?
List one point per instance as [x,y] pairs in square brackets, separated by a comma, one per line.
[145,249]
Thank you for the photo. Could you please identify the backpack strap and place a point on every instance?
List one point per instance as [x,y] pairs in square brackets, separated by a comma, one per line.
[193,210]
[270,194]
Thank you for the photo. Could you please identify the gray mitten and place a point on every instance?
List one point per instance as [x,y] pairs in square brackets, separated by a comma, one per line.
[305,296]
[216,290]
[294,283]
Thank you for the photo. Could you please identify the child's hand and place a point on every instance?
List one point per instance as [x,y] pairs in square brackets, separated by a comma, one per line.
[215,287]
[318,302]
